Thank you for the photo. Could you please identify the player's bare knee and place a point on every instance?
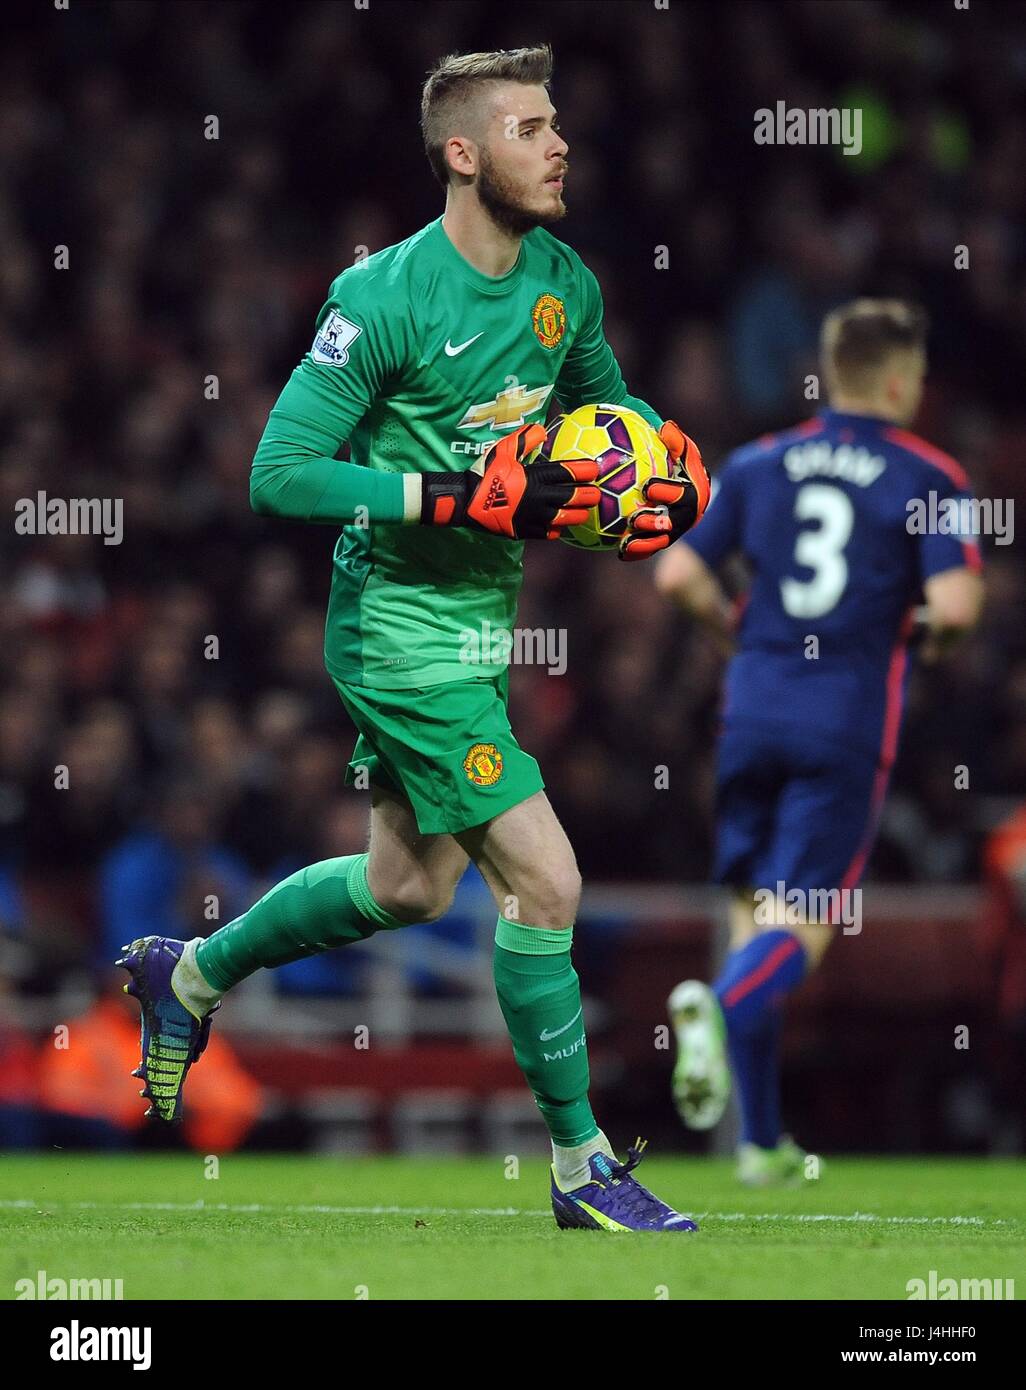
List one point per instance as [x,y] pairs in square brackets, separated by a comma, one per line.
[559,896]
[416,899]
[572,890]
[438,905]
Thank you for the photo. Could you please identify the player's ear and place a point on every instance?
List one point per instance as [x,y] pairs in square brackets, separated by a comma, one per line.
[461,155]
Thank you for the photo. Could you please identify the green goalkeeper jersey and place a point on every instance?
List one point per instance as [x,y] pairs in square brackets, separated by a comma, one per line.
[421,362]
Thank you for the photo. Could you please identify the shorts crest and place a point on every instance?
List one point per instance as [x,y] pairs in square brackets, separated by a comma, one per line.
[483,764]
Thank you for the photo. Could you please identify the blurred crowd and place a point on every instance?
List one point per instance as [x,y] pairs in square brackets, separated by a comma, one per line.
[177,677]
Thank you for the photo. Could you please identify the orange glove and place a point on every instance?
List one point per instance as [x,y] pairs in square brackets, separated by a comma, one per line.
[673,505]
[508,499]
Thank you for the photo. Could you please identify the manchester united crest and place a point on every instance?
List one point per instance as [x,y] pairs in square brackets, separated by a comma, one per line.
[548,318]
[483,764]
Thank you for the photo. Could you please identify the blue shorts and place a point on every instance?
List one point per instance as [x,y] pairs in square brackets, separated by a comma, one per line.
[794,809]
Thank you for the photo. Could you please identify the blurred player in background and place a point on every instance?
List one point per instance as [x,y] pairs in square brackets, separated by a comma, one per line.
[814,695]
[426,356]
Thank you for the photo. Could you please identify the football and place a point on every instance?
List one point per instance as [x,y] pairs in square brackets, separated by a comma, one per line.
[628,451]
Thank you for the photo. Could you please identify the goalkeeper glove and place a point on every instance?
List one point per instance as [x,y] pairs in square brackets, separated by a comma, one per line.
[504,498]
[675,504]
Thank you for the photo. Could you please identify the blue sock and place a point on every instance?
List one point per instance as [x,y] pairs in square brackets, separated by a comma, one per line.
[755,1061]
[754,983]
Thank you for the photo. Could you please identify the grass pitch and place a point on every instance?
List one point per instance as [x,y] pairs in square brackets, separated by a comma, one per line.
[273,1227]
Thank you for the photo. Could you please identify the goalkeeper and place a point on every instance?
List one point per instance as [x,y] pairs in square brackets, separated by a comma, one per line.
[437,360]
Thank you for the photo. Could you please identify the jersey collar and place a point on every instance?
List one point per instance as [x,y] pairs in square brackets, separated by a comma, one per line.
[487,284]
[830,416]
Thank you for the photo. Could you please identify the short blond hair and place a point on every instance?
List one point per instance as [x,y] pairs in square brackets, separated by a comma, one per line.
[454,82]
[858,339]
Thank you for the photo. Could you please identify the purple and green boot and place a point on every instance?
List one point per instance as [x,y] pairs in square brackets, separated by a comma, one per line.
[172,1037]
[615,1201]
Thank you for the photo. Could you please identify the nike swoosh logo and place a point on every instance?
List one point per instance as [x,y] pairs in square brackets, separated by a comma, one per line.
[547,1036]
[451,351]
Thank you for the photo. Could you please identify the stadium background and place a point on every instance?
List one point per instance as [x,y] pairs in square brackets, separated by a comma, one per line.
[194,778]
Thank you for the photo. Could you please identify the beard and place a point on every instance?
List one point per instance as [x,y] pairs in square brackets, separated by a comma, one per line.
[499,198]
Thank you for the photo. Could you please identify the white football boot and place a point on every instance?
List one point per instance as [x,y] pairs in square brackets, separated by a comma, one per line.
[701,1076]
[783,1166]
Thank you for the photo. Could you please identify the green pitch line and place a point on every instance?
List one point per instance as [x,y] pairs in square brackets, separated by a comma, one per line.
[330,1228]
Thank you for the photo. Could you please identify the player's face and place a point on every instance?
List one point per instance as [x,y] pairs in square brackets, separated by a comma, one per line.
[522,160]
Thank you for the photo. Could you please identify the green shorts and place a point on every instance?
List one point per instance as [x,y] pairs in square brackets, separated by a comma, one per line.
[447,748]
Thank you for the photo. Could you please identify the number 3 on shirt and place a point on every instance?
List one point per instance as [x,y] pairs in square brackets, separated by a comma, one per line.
[821,550]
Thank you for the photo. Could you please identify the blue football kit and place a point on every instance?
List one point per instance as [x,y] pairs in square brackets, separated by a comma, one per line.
[841,521]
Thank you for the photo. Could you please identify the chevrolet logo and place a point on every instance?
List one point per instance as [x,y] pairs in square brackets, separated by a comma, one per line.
[509,408]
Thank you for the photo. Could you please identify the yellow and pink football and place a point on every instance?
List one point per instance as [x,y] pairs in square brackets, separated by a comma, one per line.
[628,451]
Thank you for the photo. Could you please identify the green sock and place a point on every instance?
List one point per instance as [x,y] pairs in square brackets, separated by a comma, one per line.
[322,906]
[540,997]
